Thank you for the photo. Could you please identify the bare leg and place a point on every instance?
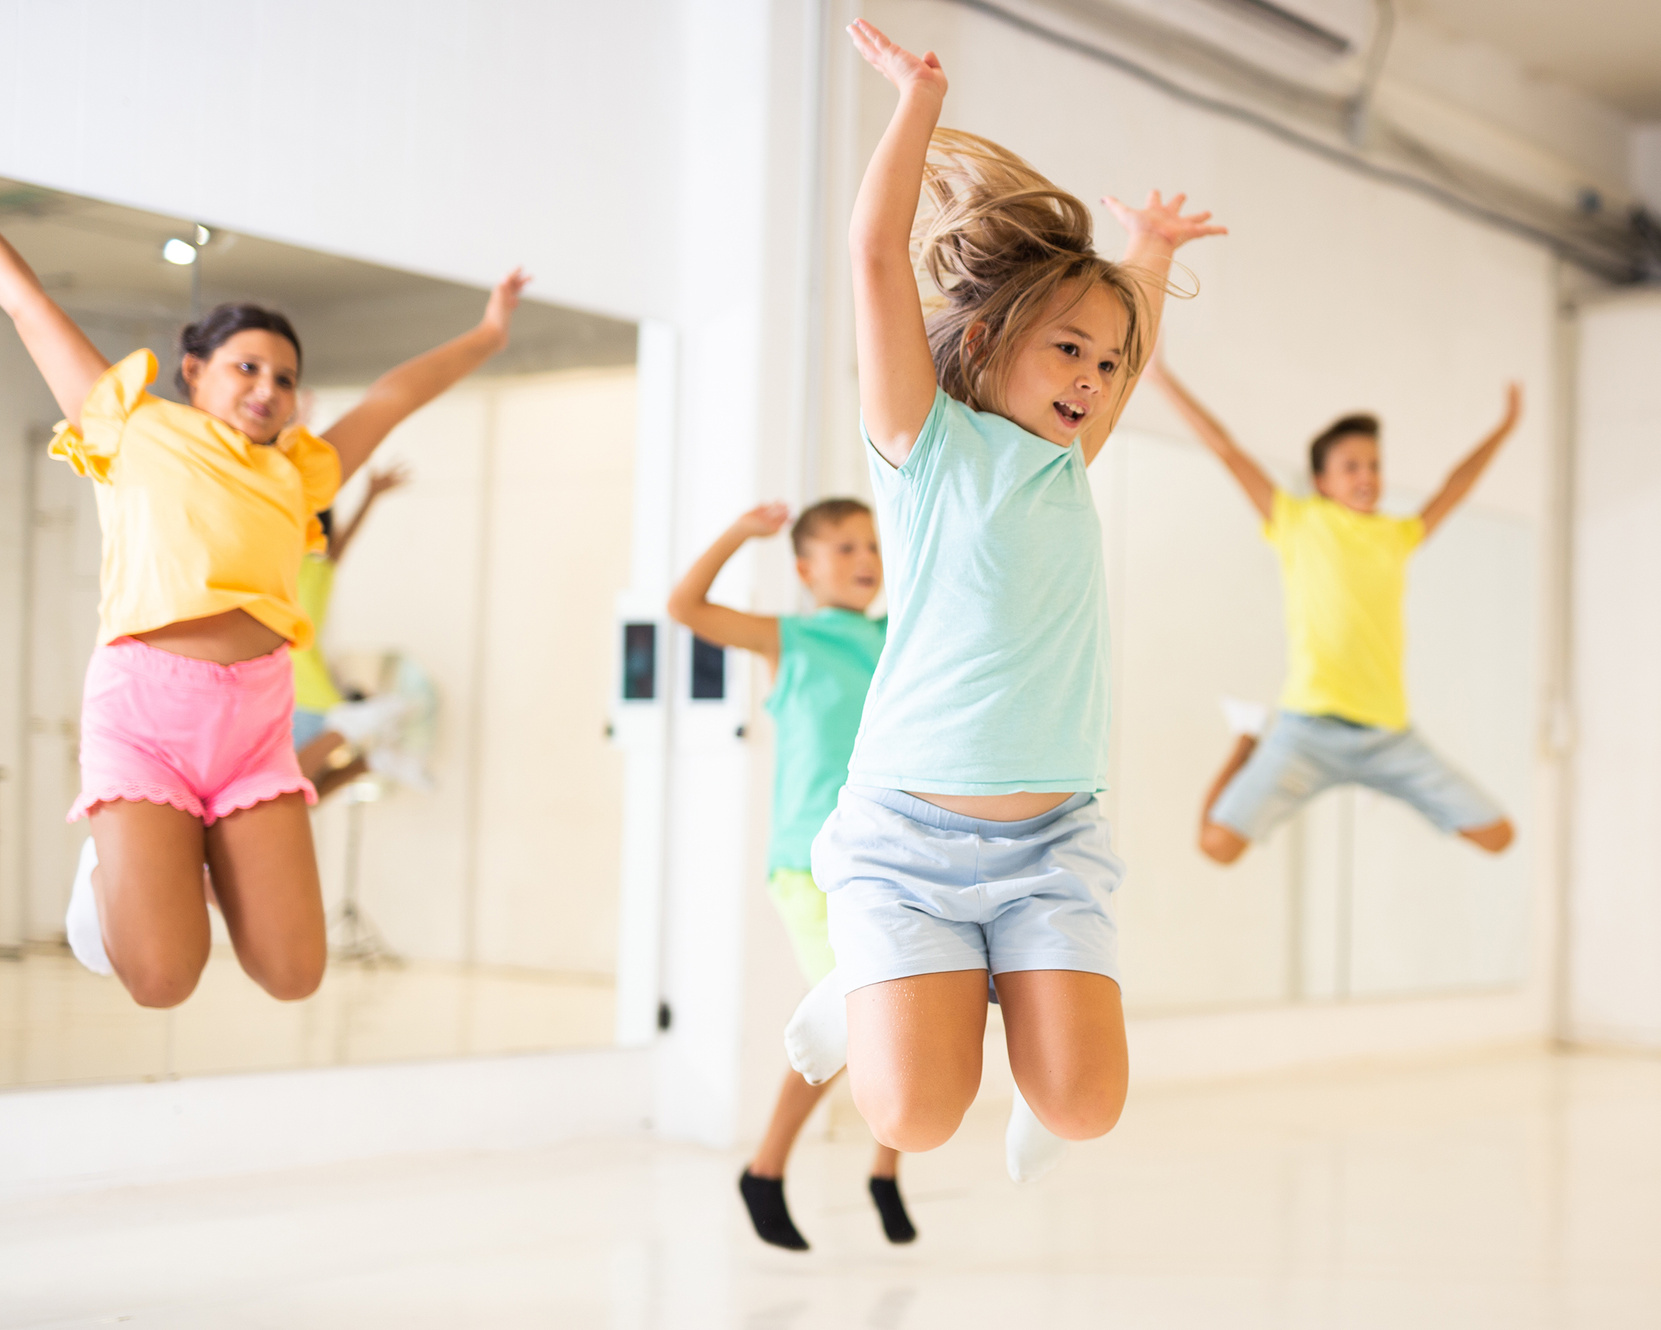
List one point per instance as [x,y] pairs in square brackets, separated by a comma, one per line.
[148,884]
[790,1111]
[885,1163]
[1224,844]
[1494,837]
[265,875]
[914,1055]
[1066,1033]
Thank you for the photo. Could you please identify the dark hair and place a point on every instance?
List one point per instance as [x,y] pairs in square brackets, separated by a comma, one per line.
[1344,427]
[210,332]
[326,520]
[814,519]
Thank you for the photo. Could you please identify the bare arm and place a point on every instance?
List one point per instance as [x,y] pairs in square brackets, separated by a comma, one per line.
[379,483]
[1259,488]
[720,624]
[1467,473]
[400,392]
[896,371]
[64,355]
[1157,230]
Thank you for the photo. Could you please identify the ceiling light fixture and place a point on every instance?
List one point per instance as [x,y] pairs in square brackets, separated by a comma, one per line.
[179,251]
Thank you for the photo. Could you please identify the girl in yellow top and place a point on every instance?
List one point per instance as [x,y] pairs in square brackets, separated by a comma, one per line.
[1343,713]
[186,753]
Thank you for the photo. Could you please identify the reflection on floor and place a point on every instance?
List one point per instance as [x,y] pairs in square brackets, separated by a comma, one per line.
[1516,1192]
[61,1024]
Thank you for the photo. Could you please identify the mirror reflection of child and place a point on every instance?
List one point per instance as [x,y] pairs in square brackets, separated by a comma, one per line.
[317,741]
[187,752]
[821,665]
[1343,715]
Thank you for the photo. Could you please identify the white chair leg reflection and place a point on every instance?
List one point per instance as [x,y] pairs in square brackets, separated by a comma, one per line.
[353,934]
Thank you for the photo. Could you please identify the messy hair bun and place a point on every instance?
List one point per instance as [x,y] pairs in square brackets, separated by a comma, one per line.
[998,242]
[202,338]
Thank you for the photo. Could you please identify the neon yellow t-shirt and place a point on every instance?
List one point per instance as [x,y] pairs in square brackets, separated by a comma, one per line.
[198,518]
[314,690]
[1345,574]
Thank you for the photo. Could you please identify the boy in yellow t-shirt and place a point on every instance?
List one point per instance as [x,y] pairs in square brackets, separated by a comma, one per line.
[1343,714]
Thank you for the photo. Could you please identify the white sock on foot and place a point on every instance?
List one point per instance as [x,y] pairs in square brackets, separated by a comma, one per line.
[1244,717]
[1030,1148]
[816,1040]
[80,921]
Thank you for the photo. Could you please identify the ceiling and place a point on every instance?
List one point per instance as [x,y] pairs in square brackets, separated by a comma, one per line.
[1609,48]
[104,263]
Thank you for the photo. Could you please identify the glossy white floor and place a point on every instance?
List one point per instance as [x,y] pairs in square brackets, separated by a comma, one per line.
[1514,1190]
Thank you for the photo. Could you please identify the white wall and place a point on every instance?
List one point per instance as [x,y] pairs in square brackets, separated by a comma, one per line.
[1615,909]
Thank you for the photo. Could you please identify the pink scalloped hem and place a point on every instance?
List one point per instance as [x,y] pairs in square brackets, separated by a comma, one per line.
[140,792]
[261,793]
[136,792]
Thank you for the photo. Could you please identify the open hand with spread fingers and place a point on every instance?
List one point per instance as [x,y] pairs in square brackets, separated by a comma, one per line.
[905,71]
[1162,220]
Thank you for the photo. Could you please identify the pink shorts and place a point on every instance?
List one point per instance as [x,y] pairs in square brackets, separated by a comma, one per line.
[208,739]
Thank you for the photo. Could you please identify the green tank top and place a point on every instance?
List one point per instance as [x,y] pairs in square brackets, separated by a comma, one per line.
[826,661]
[314,690]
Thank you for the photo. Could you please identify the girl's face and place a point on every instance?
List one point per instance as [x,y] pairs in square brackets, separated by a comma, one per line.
[1351,474]
[250,381]
[843,564]
[1065,376]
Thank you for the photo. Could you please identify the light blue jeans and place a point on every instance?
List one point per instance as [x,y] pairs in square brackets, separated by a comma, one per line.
[1304,755]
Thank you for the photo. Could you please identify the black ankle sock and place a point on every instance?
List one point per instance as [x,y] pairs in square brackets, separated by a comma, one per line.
[764,1198]
[896,1223]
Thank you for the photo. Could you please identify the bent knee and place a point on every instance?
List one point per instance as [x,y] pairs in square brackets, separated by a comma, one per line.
[1220,844]
[911,1124]
[1082,1114]
[160,984]
[292,981]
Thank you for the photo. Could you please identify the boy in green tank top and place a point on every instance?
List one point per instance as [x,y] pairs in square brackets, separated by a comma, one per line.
[821,666]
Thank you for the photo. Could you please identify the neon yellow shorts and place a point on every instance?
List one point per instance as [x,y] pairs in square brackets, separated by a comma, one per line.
[801,905]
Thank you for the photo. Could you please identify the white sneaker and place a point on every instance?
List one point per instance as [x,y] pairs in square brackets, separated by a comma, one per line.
[1030,1148]
[1247,718]
[816,1040]
[80,921]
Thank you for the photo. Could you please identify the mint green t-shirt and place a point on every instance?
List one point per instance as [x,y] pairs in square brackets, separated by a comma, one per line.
[826,661]
[995,676]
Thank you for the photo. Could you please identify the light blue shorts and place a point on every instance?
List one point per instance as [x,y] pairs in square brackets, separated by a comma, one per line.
[913,889]
[307,725]
[1303,755]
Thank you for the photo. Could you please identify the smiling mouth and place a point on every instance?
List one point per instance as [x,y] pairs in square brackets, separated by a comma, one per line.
[1069,413]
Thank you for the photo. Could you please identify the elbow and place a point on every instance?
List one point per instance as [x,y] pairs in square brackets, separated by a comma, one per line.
[681,609]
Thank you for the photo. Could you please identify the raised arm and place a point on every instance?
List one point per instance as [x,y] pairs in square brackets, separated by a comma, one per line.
[896,371]
[726,627]
[64,355]
[1157,230]
[1259,488]
[1467,473]
[400,392]
[379,483]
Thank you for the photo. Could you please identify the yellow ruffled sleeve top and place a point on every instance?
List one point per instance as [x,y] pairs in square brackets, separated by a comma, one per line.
[197,517]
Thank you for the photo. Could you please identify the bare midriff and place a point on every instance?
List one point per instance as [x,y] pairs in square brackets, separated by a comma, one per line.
[1017,807]
[222,638]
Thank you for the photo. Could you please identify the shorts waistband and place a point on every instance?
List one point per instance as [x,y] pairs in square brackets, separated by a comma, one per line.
[141,658]
[932,815]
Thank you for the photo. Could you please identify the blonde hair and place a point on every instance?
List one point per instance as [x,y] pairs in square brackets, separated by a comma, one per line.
[999,242]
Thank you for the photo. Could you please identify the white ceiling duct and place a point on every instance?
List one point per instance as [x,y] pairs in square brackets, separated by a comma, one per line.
[1323,46]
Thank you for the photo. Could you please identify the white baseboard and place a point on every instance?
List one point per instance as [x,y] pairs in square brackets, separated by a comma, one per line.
[123,1135]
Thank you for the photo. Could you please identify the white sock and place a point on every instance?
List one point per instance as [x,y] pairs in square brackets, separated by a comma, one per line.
[1244,717]
[1030,1148]
[816,1040]
[80,921]
[374,717]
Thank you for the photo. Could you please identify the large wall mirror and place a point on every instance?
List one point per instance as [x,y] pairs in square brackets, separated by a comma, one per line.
[472,884]
[1357,896]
